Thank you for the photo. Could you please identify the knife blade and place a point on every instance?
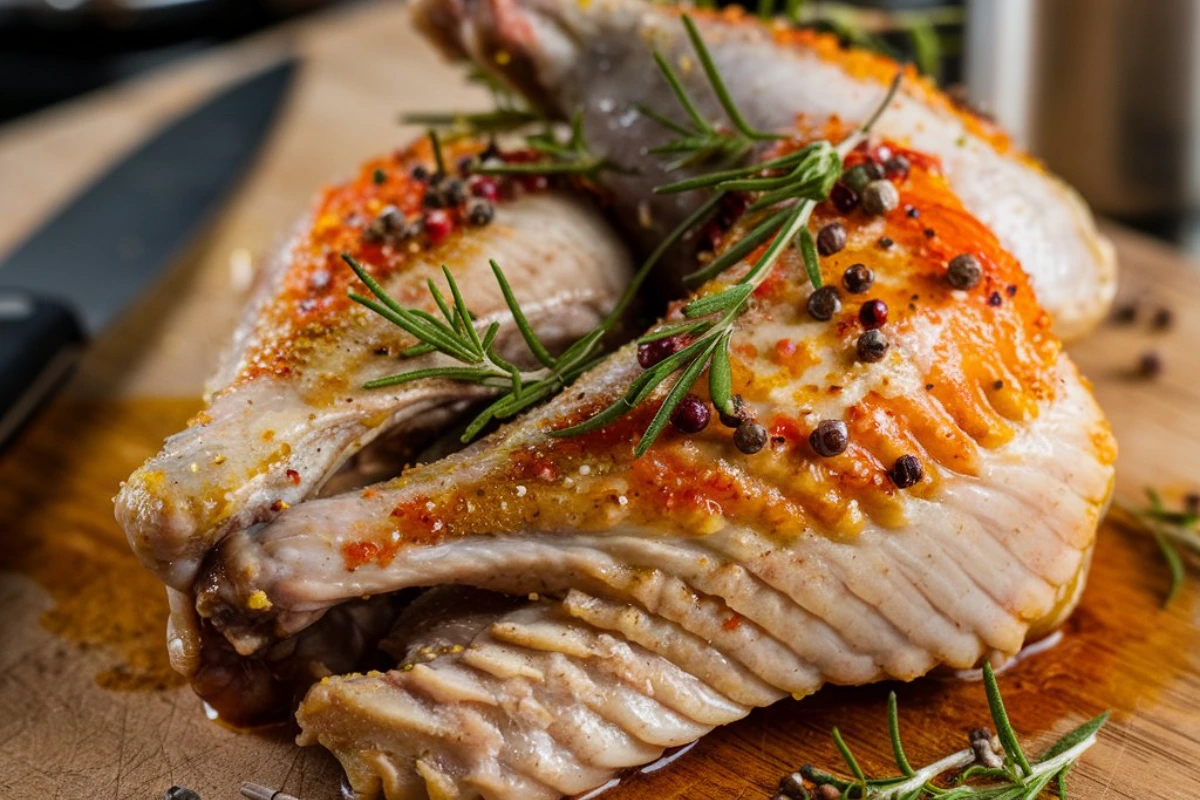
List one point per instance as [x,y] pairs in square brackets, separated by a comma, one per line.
[73,275]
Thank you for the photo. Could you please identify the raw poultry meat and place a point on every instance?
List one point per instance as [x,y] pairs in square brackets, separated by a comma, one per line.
[678,590]
[287,409]
[597,57]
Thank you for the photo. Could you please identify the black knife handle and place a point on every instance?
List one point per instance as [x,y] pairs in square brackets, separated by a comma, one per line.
[40,341]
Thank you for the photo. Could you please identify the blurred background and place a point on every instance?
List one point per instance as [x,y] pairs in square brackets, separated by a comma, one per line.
[1105,91]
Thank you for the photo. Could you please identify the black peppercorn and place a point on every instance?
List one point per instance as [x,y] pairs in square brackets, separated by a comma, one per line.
[843,197]
[858,278]
[856,178]
[829,438]
[180,793]
[419,173]
[831,239]
[736,415]
[480,212]
[454,192]
[652,352]
[994,299]
[824,303]
[1125,314]
[873,314]
[378,177]
[879,197]
[964,272]
[1162,320]
[750,437]
[906,472]
[392,220]
[930,233]
[886,242]
[897,166]
[373,233]
[433,198]
[1150,365]
[792,786]
[691,415]
[872,346]
[913,212]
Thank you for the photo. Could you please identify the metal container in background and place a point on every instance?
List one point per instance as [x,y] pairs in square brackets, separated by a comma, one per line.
[1106,92]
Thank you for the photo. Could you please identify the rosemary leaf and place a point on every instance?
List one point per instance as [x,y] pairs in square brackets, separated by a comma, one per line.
[681,93]
[1075,737]
[1004,729]
[894,733]
[741,249]
[459,124]
[437,151]
[724,300]
[420,329]
[1062,781]
[673,399]
[718,85]
[1174,566]
[460,306]
[661,119]
[443,306]
[678,329]
[527,333]
[848,757]
[447,373]
[490,336]
[417,350]
[720,376]
[808,249]
[712,179]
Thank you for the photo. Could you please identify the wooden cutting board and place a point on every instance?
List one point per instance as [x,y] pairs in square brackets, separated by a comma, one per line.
[88,705]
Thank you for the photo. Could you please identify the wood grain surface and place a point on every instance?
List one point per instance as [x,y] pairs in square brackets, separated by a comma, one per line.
[89,707]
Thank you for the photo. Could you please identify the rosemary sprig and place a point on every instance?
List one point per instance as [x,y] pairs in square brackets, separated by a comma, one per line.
[458,338]
[571,157]
[787,201]
[1171,531]
[787,189]
[461,124]
[509,113]
[1016,779]
[699,140]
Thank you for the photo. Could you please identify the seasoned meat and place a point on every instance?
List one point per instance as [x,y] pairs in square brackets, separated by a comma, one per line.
[596,57]
[287,408]
[681,588]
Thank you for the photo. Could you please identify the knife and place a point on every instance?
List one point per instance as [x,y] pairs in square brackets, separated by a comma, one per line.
[63,284]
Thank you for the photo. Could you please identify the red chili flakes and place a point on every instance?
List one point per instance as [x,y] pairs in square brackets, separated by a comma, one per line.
[438,226]
[357,554]
[732,623]
[788,430]
[293,476]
